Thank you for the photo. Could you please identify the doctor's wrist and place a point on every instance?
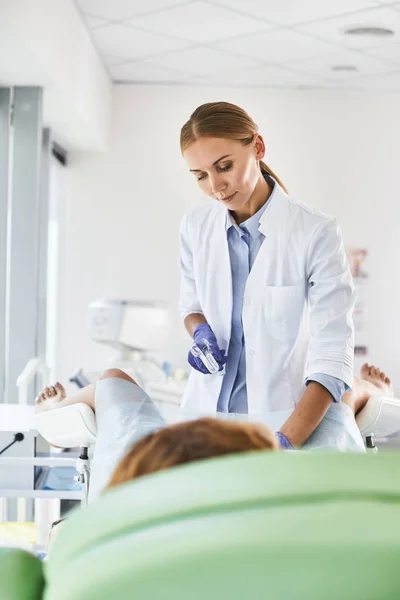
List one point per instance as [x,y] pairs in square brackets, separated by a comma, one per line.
[202,330]
[284,443]
[192,321]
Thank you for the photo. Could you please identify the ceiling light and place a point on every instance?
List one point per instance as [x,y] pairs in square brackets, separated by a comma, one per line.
[369,31]
[346,68]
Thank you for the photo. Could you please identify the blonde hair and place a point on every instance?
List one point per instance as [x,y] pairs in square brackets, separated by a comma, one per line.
[190,441]
[222,120]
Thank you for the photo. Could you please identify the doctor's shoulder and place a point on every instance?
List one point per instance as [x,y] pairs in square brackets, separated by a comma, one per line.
[309,217]
[198,220]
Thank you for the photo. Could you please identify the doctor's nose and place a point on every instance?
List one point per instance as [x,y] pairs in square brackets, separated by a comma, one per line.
[217,185]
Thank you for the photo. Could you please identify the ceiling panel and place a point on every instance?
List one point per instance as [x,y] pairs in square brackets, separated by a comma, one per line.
[332,30]
[278,46]
[341,84]
[339,66]
[203,61]
[391,52]
[290,12]
[273,43]
[385,83]
[129,43]
[141,71]
[117,10]
[111,60]
[94,22]
[266,76]
[201,22]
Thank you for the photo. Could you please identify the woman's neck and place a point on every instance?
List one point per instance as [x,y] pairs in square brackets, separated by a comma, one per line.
[259,197]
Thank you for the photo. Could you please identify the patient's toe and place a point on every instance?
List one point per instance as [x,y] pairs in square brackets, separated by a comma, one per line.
[40,401]
[378,378]
[60,390]
[364,371]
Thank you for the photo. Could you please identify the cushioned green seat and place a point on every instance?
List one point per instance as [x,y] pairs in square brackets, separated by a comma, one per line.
[256,525]
[21,575]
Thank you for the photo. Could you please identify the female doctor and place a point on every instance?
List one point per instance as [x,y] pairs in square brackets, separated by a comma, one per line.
[264,279]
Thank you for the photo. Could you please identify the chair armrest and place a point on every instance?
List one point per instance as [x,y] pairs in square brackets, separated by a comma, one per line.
[379,417]
[67,427]
[21,575]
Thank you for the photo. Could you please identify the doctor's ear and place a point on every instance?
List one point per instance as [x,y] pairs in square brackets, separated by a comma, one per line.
[259,146]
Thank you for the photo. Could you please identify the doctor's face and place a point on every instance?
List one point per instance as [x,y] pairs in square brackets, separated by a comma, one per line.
[226,170]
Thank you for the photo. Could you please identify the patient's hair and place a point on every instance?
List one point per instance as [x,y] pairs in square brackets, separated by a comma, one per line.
[189,441]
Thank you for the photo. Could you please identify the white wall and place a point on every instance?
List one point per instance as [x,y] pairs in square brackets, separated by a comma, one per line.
[335,150]
[45,43]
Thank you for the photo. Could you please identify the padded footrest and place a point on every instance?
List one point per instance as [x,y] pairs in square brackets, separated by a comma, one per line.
[67,427]
[379,417]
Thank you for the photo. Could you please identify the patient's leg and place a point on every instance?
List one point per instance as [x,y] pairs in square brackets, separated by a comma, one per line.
[54,396]
[372,381]
[124,414]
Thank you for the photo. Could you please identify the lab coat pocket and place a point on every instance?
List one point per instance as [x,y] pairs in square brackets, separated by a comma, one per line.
[284,307]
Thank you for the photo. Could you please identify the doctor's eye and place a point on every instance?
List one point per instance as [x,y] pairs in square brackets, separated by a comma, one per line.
[219,169]
[226,167]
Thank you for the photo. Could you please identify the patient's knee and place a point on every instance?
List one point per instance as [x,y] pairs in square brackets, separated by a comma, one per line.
[116,373]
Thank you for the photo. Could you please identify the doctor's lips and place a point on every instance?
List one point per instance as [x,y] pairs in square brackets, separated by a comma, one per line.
[226,199]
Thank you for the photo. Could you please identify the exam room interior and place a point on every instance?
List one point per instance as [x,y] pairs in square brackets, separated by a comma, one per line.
[125,186]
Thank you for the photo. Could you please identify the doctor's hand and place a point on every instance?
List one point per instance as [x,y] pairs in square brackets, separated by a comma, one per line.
[201,333]
[283,442]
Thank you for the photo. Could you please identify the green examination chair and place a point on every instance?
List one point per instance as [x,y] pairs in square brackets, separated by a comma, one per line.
[262,526]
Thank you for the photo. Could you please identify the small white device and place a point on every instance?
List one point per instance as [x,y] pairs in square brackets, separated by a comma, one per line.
[136,329]
[203,352]
[118,322]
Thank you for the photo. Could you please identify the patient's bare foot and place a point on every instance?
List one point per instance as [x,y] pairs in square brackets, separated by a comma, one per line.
[378,378]
[373,381]
[49,397]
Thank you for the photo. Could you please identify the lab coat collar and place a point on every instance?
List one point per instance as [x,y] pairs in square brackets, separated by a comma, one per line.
[266,216]
[251,225]
[275,210]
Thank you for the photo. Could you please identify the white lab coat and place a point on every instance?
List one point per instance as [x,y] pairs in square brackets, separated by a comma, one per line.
[297,305]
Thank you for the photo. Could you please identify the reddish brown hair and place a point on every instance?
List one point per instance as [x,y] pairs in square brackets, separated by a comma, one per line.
[222,120]
[189,441]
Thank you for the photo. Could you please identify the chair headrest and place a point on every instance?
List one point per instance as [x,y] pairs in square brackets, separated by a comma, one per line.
[232,483]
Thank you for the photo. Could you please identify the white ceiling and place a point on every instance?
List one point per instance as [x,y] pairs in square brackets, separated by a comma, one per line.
[268,43]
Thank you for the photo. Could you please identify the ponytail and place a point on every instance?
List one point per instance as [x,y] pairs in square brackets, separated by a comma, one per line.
[266,169]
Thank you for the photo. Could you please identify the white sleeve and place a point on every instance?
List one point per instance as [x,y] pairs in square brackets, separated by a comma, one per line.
[188,301]
[331,299]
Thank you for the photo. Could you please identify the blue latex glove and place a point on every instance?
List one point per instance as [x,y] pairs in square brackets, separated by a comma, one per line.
[202,332]
[283,441]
